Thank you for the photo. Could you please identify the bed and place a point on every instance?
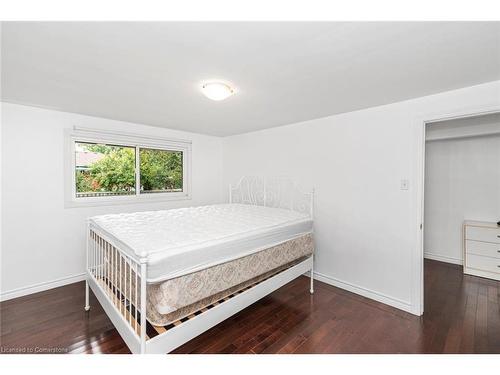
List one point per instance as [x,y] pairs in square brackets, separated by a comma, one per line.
[164,277]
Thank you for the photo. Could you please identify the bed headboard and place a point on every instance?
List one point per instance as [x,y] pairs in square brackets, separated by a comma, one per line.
[279,192]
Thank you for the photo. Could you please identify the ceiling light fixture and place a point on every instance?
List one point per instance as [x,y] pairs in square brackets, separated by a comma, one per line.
[217,90]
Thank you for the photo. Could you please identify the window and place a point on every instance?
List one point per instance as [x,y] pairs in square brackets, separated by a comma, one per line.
[113,168]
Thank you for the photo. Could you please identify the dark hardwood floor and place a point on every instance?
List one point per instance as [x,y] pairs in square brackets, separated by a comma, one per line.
[462,316]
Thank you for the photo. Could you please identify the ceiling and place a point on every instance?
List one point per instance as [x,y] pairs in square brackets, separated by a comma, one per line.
[151,72]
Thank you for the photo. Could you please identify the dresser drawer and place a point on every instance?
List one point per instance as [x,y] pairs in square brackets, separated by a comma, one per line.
[483,263]
[482,234]
[486,249]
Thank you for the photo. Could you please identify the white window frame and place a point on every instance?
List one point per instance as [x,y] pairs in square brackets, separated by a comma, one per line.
[72,136]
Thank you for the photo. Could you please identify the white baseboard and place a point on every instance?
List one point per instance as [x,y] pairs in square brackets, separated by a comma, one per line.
[443,258]
[368,293]
[40,287]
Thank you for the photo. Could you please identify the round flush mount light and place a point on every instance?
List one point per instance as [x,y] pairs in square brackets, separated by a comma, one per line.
[217,90]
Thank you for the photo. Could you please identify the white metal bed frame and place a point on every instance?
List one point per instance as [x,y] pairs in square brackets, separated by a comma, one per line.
[118,279]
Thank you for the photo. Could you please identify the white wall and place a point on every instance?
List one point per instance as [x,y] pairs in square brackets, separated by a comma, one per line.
[43,242]
[462,182]
[365,226]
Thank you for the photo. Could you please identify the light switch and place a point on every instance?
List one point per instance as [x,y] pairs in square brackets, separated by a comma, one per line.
[405,184]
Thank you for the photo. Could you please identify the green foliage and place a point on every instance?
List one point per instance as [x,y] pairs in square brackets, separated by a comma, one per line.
[99,148]
[161,170]
[115,172]
[83,182]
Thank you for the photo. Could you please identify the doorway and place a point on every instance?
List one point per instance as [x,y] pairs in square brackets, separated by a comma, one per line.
[460,182]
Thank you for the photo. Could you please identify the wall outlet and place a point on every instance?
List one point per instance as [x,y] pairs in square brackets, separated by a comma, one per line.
[405,184]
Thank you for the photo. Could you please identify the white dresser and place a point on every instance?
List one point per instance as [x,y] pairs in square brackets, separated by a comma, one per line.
[482,249]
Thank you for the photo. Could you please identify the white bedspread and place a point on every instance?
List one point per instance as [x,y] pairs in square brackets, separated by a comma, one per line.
[180,241]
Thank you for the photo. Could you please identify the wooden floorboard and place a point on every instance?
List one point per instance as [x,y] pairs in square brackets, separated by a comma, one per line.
[462,315]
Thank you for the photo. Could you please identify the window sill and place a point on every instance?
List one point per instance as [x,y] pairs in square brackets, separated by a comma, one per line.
[122,200]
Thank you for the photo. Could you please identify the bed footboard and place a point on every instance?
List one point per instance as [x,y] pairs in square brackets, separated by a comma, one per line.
[119,283]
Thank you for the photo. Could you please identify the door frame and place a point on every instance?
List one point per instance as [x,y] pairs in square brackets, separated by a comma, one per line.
[419,177]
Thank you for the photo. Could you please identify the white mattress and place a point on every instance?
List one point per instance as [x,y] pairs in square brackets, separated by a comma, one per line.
[181,241]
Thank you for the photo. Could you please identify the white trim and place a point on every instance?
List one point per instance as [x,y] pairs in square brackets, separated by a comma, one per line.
[461,136]
[417,262]
[40,287]
[366,292]
[129,140]
[443,258]
[130,137]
